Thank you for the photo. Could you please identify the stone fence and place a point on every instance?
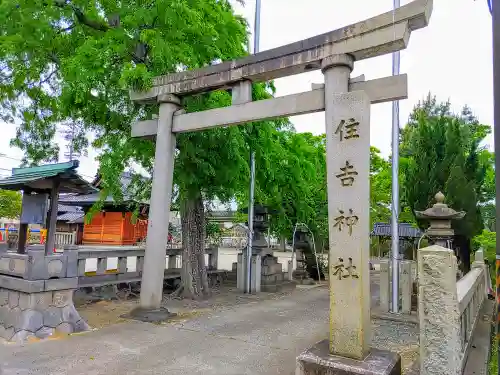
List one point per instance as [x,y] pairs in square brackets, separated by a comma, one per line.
[407,277]
[449,310]
[36,290]
[124,264]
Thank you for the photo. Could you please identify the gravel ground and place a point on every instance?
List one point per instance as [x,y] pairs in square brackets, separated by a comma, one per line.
[228,334]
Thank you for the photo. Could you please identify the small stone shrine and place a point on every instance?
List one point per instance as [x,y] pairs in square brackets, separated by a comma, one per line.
[37,285]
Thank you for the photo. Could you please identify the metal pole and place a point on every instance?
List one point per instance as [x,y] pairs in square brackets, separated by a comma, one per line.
[496,133]
[256,45]
[256,41]
[395,186]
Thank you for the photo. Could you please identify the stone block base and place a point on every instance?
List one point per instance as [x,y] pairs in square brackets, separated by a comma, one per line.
[40,314]
[318,361]
[302,277]
[273,278]
[283,286]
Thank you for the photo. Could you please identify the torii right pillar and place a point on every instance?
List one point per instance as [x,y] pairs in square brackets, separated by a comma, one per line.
[347,118]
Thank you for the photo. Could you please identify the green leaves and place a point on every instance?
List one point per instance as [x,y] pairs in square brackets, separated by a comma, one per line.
[442,153]
[76,61]
[487,241]
[10,204]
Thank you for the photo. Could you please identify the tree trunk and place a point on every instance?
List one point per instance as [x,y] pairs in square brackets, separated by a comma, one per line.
[194,273]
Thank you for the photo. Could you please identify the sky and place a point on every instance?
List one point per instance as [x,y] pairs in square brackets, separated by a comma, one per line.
[451,58]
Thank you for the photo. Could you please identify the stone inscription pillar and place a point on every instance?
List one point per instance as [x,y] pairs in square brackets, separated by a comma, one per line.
[347,116]
[161,194]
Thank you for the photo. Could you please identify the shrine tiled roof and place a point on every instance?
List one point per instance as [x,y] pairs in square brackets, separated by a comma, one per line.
[72,217]
[406,230]
[39,179]
[64,208]
[90,199]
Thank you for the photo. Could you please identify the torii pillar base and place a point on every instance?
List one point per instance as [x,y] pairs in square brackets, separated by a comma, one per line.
[150,315]
[318,361]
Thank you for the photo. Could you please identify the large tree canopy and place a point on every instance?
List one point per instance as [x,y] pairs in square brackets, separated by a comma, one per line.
[443,153]
[75,60]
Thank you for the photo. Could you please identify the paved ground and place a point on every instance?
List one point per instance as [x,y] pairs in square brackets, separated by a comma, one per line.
[257,337]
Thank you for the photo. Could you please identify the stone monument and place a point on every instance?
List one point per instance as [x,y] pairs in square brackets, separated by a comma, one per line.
[346,102]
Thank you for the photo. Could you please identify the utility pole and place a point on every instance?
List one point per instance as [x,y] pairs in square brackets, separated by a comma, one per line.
[496,133]
[395,186]
[248,273]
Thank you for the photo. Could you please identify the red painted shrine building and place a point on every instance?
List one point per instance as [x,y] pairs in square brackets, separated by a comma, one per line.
[113,225]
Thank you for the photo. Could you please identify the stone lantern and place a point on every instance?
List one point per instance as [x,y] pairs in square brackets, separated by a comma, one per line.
[440,231]
[272,278]
[440,216]
[302,245]
[261,216]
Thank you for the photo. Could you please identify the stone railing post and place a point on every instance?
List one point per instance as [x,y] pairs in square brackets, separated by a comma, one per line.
[240,273]
[479,263]
[213,258]
[172,262]
[71,253]
[406,285]
[439,315]
[384,285]
[256,273]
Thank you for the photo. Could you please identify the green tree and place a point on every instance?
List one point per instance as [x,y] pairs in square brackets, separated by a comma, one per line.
[292,182]
[380,188]
[294,185]
[443,153]
[487,241]
[10,204]
[76,61]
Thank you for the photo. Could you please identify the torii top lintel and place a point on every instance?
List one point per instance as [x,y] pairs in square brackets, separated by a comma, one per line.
[385,33]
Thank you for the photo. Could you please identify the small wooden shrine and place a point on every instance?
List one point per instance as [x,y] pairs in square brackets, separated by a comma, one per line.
[114,224]
[41,185]
[408,238]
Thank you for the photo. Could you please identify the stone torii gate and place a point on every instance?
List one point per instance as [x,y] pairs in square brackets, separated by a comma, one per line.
[346,103]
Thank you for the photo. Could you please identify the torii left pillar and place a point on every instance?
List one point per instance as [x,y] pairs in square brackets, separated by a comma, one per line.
[159,215]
